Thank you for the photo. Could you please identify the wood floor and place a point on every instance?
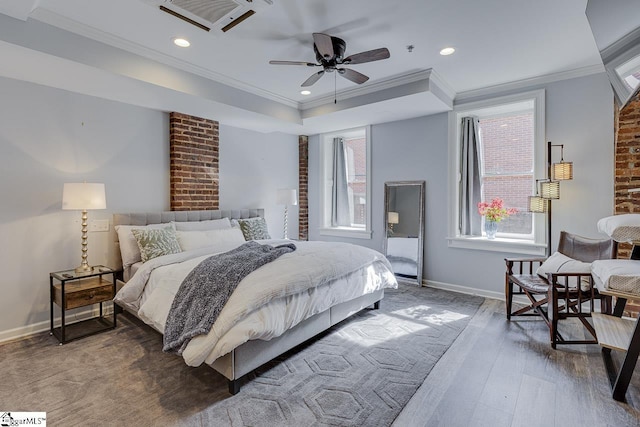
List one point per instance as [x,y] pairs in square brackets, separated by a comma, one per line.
[501,373]
[496,373]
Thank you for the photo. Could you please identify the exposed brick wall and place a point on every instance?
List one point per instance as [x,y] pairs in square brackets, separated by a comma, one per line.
[627,172]
[194,158]
[303,187]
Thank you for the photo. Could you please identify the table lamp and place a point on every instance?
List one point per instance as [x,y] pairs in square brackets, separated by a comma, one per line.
[83,197]
[287,197]
[392,218]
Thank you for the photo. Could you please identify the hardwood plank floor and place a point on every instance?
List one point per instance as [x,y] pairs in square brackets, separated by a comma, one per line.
[497,373]
[501,373]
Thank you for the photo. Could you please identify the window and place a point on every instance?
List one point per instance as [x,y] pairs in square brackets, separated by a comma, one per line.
[346,194]
[506,152]
[510,152]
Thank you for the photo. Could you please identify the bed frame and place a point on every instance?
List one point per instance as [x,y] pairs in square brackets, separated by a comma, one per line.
[253,354]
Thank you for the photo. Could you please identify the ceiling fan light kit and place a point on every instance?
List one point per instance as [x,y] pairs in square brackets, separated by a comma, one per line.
[329,51]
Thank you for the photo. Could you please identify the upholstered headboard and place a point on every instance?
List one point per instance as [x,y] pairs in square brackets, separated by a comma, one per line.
[146,218]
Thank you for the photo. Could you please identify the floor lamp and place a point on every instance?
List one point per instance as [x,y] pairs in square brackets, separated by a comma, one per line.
[550,187]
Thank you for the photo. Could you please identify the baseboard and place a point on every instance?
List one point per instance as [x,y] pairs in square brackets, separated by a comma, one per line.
[473,291]
[36,328]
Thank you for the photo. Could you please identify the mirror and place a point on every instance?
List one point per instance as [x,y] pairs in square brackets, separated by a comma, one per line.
[616,29]
[404,225]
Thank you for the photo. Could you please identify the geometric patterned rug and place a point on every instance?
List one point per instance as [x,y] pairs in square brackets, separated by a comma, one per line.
[362,372]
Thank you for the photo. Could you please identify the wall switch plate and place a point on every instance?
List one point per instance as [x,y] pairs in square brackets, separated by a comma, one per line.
[99,225]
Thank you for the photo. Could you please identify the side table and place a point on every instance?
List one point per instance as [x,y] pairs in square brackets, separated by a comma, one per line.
[70,289]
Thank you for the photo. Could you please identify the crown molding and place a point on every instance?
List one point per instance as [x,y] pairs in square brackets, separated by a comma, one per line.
[528,83]
[616,48]
[80,29]
[423,75]
[444,86]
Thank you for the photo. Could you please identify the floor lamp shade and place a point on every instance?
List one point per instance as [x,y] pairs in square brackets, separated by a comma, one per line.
[562,171]
[537,204]
[83,197]
[550,190]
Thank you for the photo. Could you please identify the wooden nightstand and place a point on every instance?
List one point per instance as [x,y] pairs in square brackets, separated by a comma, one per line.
[79,290]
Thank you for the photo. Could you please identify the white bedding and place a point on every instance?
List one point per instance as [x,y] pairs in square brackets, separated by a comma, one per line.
[268,301]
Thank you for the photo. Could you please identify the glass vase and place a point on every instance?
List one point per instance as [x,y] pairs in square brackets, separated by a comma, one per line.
[490,229]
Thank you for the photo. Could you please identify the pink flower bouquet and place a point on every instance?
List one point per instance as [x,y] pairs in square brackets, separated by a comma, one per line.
[495,211]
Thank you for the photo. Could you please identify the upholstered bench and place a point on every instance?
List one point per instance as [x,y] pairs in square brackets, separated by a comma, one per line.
[619,278]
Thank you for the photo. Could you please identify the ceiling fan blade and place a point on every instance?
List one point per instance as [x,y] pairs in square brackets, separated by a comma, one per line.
[324,44]
[368,56]
[314,78]
[352,75]
[308,64]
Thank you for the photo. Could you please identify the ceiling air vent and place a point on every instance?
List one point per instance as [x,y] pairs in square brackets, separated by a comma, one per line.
[221,15]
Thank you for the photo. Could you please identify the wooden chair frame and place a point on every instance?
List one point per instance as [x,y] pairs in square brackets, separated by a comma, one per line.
[564,300]
[559,295]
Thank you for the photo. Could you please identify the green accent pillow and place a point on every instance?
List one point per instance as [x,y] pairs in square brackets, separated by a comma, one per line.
[156,242]
[254,228]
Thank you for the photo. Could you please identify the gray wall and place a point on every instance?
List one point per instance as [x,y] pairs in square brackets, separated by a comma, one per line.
[51,136]
[579,114]
[253,166]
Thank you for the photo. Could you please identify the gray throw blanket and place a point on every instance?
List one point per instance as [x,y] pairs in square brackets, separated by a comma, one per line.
[208,287]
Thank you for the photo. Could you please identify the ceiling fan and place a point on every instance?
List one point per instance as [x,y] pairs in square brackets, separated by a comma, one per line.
[329,52]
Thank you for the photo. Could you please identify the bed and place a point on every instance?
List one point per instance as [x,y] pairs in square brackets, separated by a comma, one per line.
[309,290]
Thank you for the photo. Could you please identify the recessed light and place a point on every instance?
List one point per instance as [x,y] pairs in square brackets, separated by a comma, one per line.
[447,51]
[504,125]
[179,41]
[305,92]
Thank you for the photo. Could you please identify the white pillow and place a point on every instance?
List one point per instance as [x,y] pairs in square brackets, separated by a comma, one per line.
[559,263]
[211,224]
[129,249]
[220,240]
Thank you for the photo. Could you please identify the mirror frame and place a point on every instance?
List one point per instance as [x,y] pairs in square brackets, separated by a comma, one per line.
[421,216]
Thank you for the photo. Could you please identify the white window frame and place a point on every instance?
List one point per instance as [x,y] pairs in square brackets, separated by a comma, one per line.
[326,166]
[535,246]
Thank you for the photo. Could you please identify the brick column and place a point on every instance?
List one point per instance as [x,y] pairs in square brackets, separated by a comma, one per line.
[627,172]
[303,187]
[193,163]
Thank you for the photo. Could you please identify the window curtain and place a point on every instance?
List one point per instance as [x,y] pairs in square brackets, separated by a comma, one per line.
[340,191]
[470,219]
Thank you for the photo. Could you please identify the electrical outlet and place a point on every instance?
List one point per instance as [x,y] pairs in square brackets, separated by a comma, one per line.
[99,225]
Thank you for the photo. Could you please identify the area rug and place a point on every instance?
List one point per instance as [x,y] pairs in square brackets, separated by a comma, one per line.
[361,372]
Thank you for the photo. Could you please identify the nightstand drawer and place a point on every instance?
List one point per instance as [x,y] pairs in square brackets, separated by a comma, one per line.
[83,292]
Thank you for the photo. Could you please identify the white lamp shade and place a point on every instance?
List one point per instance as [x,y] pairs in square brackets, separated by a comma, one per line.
[550,190]
[393,217]
[83,196]
[288,197]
